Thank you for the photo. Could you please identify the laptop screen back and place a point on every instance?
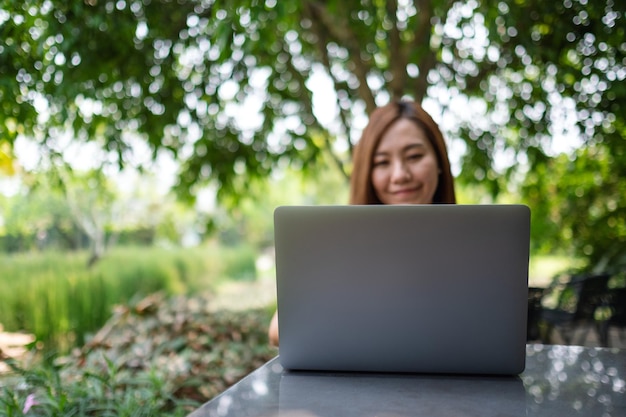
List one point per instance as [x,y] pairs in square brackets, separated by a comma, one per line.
[420,288]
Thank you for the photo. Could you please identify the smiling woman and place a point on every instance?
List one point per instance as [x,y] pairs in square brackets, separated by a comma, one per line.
[401,159]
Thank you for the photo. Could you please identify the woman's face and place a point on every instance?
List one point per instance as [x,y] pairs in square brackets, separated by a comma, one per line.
[405,168]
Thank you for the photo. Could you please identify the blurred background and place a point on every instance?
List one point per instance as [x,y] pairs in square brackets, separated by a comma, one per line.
[144,144]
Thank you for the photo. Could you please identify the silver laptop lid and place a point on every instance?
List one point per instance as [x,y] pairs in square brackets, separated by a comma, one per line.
[416,288]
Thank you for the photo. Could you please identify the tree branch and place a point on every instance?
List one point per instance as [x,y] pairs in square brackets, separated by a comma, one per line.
[340,30]
[322,41]
[396,50]
[307,102]
[421,41]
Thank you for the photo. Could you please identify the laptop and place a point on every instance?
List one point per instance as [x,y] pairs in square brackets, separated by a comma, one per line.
[403,288]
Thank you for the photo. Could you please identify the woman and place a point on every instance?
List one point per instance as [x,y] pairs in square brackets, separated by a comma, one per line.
[401,158]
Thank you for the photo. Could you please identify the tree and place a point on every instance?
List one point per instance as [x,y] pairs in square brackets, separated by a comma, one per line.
[567,61]
[38,218]
[232,87]
[586,209]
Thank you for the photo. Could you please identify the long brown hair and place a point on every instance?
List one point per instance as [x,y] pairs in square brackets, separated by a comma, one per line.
[361,188]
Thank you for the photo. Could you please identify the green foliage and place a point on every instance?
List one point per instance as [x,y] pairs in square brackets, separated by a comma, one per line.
[231,89]
[158,356]
[543,269]
[61,208]
[59,299]
[240,264]
[111,392]
[29,217]
[584,210]
[560,51]
[250,217]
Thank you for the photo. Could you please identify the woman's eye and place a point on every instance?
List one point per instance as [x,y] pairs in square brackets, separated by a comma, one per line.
[381,163]
[415,156]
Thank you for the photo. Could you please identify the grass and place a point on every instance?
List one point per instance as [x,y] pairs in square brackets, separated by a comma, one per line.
[542,269]
[55,296]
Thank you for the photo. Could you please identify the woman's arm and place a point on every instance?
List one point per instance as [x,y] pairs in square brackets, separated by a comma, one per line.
[273,330]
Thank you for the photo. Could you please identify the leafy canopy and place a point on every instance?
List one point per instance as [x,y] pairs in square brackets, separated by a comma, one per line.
[233,89]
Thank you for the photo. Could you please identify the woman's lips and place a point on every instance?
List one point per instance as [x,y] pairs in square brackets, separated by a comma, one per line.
[405,191]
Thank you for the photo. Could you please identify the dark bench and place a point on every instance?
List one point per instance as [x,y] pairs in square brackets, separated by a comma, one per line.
[616,317]
[535,295]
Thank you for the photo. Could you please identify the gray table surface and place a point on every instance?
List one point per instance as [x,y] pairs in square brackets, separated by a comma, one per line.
[558,381]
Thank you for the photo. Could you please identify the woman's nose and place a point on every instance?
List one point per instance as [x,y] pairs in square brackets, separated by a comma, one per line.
[399,172]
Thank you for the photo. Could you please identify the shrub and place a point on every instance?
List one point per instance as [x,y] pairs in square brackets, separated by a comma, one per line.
[159,356]
[55,296]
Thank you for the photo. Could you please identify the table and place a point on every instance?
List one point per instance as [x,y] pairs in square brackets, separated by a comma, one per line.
[558,381]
